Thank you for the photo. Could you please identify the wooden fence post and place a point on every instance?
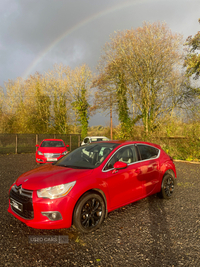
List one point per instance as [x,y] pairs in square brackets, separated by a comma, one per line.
[79,140]
[16,144]
[70,142]
[36,141]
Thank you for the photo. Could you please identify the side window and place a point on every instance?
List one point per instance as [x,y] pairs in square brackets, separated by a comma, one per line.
[86,140]
[147,152]
[104,151]
[126,154]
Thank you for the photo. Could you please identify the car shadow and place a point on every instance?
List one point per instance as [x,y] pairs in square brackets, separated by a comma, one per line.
[161,235]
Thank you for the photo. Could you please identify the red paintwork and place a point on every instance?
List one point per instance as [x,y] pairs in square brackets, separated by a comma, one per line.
[50,175]
[118,187]
[42,158]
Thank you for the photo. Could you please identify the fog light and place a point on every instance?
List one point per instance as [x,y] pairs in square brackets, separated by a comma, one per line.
[52,215]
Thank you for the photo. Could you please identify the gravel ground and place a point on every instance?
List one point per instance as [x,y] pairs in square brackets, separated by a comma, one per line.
[150,232]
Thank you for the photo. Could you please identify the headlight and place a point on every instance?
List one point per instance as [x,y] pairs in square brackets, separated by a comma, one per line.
[56,191]
[39,153]
[64,153]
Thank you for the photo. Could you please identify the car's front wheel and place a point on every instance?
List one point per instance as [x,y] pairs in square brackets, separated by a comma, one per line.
[89,212]
[167,187]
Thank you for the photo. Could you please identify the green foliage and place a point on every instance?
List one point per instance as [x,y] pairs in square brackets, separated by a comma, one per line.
[40,119]
[99,130]
[60,114]
[43,103]
[123,110]
[179,140]
[80,85]
[141,69]
[182,148]
[81,105]
[192,59]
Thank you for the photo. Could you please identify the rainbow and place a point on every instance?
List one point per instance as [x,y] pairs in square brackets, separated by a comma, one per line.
[82,23]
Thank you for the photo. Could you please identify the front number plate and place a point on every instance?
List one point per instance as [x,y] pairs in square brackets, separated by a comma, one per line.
[15,204]
[51,159]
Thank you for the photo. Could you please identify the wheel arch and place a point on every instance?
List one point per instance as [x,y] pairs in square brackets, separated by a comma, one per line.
[171,172]
[93,190]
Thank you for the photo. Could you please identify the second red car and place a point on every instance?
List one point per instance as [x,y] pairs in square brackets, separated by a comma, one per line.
[50,150]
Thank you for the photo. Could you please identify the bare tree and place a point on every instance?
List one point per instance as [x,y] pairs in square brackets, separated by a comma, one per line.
[144,66]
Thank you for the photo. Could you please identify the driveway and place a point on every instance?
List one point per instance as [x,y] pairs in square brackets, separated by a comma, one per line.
[150,232]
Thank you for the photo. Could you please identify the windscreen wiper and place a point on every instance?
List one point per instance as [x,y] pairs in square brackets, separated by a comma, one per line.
[74,167]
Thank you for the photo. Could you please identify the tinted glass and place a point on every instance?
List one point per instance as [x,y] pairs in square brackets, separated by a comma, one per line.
[52,144]
[86,140]
[147,152]
[125,154]
[87,157]
[98,139]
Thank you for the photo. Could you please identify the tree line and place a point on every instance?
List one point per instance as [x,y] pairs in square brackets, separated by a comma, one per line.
[144,75]
[53,102]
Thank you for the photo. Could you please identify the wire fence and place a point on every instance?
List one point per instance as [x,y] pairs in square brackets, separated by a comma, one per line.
[25,143]
[178,147]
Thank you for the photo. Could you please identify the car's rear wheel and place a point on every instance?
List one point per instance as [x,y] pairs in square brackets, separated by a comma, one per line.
[168,185]
[89,212]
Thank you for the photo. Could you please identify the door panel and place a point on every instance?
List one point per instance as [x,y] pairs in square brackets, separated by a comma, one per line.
[136,181]
[149,175]
[124,186]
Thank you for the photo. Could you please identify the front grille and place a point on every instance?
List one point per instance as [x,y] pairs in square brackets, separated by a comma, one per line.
[24,197]
[52,155]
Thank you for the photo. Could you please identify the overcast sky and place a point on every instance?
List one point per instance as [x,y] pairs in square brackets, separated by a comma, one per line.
[36,34]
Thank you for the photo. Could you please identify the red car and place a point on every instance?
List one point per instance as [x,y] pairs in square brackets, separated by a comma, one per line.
[86,184]
[50,150]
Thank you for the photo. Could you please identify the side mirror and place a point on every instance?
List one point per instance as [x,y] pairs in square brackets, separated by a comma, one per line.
[67,145]
[36,145]
[120,165]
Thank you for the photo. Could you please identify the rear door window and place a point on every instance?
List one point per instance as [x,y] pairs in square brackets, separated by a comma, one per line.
[147,152]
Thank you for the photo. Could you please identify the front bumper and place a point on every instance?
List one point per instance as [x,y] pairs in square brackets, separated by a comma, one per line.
[64,206]
[43,159]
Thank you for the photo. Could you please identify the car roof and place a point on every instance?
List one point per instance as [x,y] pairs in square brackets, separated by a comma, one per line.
[52,140]
[96,137]
[124,142]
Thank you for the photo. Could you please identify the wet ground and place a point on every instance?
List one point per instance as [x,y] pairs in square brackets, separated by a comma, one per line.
[150,232]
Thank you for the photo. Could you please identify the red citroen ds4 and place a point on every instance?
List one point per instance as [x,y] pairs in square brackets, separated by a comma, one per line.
[87,183]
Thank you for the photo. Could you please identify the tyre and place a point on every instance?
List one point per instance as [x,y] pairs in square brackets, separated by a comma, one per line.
[167,187]
[89,212]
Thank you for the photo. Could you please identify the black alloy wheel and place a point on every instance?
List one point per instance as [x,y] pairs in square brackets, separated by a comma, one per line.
[168,185]
[89,212]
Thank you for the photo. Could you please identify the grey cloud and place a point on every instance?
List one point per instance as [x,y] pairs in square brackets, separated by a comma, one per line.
[29,27]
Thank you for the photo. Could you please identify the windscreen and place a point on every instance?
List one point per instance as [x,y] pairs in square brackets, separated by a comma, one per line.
[52,144]
[87,157]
